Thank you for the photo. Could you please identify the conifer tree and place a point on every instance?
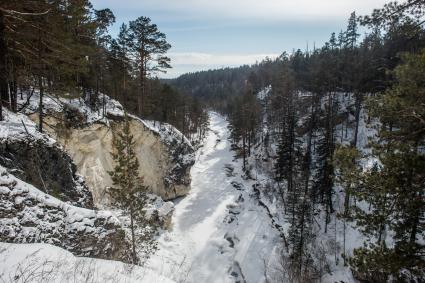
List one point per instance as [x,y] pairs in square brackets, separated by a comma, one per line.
[244,122]
[351,34]
[128,192]
[394,187]
[286,154]
[348,177]
[149,47]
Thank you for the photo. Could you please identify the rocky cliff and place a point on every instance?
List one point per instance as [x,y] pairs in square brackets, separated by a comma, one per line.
[38,160]
[28,215]
[52,184]
[165,156]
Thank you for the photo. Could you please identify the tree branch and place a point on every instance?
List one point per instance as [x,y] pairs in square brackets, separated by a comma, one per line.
[24,14]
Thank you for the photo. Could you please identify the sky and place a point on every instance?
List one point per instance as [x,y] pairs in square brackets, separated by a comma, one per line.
[210,34]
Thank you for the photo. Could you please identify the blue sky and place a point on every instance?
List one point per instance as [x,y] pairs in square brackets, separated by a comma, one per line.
[207,34]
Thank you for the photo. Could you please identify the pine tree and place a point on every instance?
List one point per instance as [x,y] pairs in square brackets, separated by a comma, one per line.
[128,192]
[348,177]
[244,120]
[43,46]
[3,70]
[149,47]
[393,188]
[351,34]
[120,71]
[98,59]
[284,97]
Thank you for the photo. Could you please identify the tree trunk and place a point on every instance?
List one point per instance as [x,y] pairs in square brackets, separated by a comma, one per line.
[40,104]
[3,72]
[346,210]
[415,223]
[133,237]
[243,151]
[14,94]
[40,83]
[142,93]
[416,203]
[249,144]
[359,98]
[142,85]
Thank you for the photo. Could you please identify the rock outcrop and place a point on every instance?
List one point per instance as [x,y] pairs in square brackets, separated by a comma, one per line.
[43,193]
[28,215]
[45,166]
[38,160]
[163,172]
[164,154]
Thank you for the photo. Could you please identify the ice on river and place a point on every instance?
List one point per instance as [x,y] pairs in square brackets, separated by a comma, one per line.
[220,234]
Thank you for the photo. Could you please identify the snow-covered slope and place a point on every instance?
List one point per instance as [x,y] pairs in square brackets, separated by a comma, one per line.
[46,263]
[327,247]
[43,200]
[220,232]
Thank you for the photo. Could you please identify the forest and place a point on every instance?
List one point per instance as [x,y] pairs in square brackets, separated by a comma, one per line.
[325,145]
[63,48]
[313,94]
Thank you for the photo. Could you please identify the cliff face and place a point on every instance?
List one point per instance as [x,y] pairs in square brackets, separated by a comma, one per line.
[38,160]
[43,200]
[164,154]
[45,166]
[28,215]
[164,164]
[51,182]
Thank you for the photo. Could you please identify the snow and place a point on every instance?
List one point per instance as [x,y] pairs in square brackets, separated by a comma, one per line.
[113,108]
[163,208]
[17,126]
[264,93]
[169,134]
[52,103]
[71,217]
[220,231]
[327,247]
[46,263]
[220,234]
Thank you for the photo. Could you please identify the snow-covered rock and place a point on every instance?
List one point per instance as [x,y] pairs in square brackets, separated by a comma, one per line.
[28,215]
[37,159]
[264,93]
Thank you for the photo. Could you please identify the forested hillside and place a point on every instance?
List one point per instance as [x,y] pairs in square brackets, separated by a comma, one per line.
[63,49]
[89,156]
[340,130]
[305,167]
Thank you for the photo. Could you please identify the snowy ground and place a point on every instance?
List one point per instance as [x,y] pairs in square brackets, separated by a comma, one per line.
[46,263]
[220,233]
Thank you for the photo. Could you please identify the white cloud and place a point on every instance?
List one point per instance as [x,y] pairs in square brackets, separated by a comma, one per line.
[201,59]
[192,61]
[262,10]
[188,24]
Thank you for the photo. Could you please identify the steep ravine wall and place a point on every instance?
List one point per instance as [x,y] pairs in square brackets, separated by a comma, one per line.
[28,215]
[46,166]
[43,194]
[44,200]
[90,146]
